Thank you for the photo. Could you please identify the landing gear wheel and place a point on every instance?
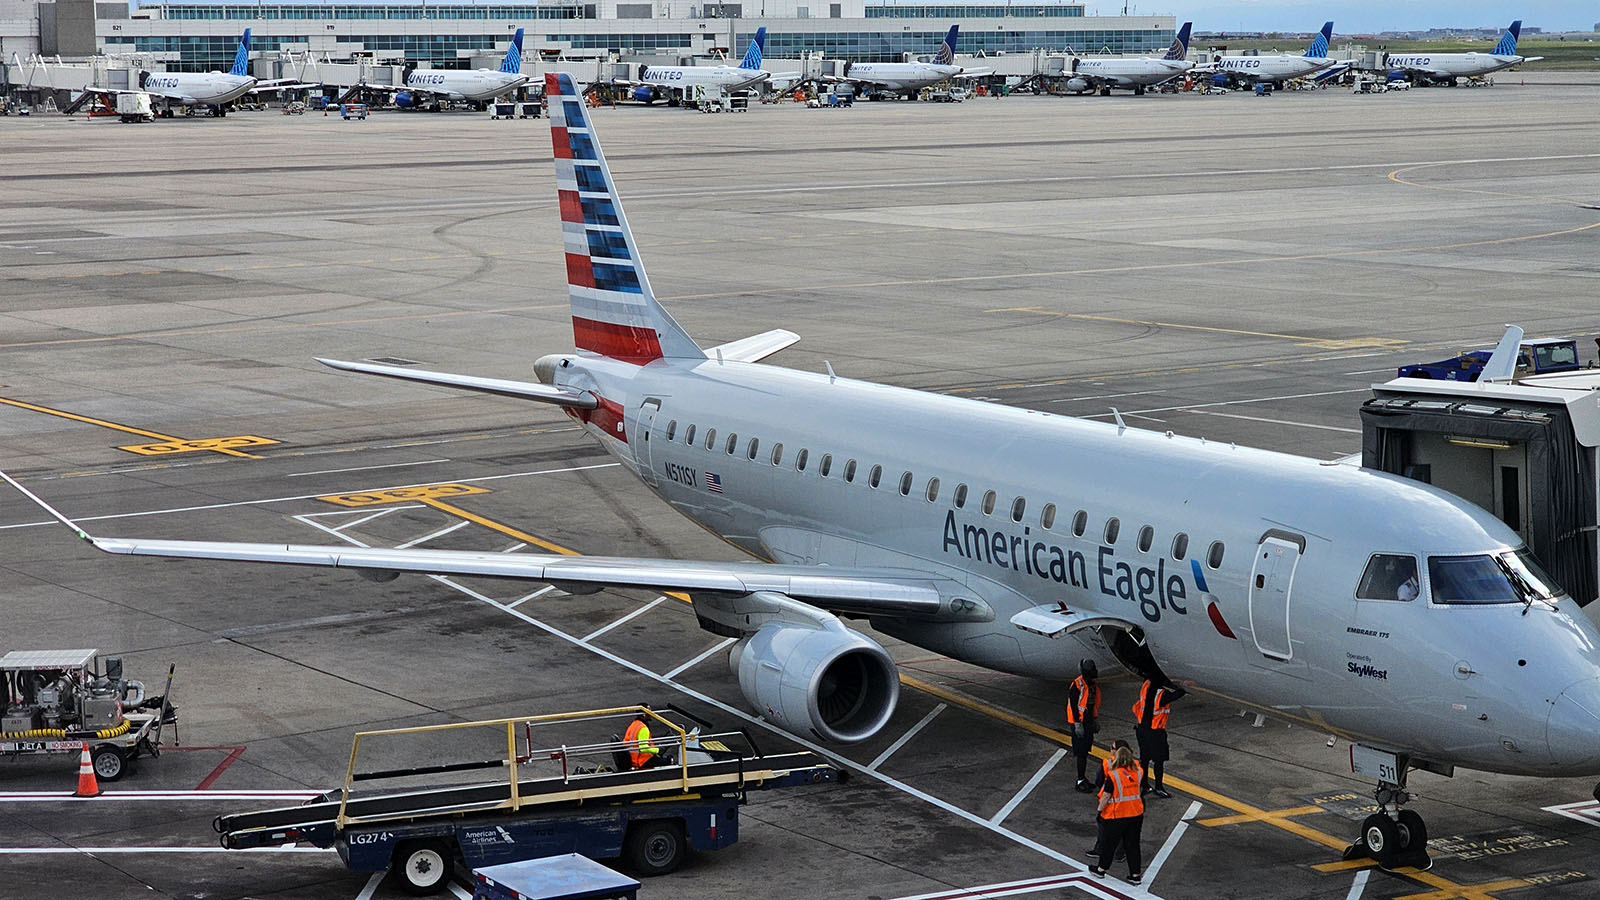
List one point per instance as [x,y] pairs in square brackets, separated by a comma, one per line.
[1413,831]
[1382,836]
[655,848]
[422,866]
[109,763]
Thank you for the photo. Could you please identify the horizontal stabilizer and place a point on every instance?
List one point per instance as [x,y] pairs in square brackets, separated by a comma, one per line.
[756,347]
[525,390]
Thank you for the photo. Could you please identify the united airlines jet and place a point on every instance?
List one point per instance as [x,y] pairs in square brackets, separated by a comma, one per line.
[1277,68]
[1447,68]
[1136,74]
[213,89]
[430,88]
[674,84]
[1376,608]
[906,78]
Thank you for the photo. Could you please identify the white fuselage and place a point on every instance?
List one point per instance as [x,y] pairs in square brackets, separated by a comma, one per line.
[1128,73]
[901,76]
[1270,68]
[1452,65]
[478,86]
[198,88]
[1004,519]
[686,78]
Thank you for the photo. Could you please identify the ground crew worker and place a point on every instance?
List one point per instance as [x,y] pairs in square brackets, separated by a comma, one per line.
[641,751]
[1122,811]
[1102,778]
[1083,711]
[1150,713]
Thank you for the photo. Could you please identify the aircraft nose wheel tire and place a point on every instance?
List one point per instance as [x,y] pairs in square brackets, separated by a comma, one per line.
[1381,834]
[422,866]
[1413,831]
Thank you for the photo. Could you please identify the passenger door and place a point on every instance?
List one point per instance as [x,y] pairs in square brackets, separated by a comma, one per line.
[644,420]
[1271,580]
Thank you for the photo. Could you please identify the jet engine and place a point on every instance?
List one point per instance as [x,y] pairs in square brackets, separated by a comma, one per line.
[644,94]
[825,681]
[405,100]
[1077,85]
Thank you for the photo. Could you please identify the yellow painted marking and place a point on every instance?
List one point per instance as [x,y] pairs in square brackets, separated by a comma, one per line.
[1344,865]
[1449,890]
[89,420]
[506,530]
[1268,816]
[1302,340]
[177,446]
[423,493]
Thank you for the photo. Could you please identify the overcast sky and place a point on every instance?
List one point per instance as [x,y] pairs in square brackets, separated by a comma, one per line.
[1363,16]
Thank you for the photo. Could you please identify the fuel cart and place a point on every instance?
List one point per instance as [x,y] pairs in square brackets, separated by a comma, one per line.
[58,700]
[560,791]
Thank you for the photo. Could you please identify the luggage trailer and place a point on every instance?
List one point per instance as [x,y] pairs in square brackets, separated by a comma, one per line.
[598,805]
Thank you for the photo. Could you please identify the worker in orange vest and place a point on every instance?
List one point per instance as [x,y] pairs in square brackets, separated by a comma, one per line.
[1150,713]
[1102,779]
[1122,814]
[1083,711]
[641,751]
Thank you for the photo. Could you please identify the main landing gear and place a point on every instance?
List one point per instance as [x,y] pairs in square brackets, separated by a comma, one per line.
[1392,837]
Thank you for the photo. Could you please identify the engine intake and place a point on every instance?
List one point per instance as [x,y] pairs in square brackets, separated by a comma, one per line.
[827,681]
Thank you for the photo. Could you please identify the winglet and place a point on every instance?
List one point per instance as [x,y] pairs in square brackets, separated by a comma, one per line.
[1502,364]
[54,513]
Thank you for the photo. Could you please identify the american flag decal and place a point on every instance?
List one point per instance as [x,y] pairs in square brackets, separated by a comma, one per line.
[713,482]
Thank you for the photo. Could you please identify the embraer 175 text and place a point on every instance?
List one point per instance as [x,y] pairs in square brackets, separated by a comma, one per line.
[1376,608]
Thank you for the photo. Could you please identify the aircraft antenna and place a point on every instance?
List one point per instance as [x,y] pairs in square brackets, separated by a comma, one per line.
[1121,425]
[829,366]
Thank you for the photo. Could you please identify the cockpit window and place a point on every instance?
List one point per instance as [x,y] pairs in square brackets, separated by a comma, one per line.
[1389,576]
[1526,569]
[1470,579]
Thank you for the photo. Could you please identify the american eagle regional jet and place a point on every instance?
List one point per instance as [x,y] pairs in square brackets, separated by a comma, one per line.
[1372,607]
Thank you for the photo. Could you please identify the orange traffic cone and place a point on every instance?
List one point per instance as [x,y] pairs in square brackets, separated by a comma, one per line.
[87,786]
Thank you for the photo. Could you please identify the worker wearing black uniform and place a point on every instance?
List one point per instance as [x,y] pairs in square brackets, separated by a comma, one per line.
[1122,812]
[1104,781]
[1083,711]
[1150,713]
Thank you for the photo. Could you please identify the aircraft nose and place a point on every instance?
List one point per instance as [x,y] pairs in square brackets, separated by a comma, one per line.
[1573,729]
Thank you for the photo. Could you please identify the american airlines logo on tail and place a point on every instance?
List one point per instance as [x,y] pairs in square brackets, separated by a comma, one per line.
[947,51]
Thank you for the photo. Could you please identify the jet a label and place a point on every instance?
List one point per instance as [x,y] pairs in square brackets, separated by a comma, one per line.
[1151,588]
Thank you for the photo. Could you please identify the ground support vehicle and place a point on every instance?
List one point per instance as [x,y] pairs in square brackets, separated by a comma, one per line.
[588,800]
[57,701]
[566,877]
[353,110]
[1538,357]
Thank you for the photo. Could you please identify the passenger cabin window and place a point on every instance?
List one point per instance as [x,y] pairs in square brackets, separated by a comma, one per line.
[777,454]
[905,484]
[1080,523]
[1502,578]
[988,502]
[960,498]
[1389,576]
[711,438]
[688,436]
[800,459]
[1018,507]
[1214,555]
[733,442]
[1047,517]
[672,429]
[826,465]
[874,475]
[755,445]
[849,471]
[1147,536]
[933,489]
[1113,528]
[1180,546]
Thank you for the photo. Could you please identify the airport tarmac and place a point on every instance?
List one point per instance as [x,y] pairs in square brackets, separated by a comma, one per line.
[1235,267]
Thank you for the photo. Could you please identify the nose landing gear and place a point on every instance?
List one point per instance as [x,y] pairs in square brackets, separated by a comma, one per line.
[1392,837]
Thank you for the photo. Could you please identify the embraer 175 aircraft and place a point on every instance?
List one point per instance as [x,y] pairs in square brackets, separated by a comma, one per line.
[1373,607]
[1136,73]
[1275,69]
[905,79]
[430,88]
[213,89]
[1445,68]
[674,83]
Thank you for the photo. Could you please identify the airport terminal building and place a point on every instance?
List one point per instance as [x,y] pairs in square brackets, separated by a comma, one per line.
[193,36]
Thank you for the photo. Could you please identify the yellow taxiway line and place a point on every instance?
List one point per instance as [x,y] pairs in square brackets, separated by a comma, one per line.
[215,445]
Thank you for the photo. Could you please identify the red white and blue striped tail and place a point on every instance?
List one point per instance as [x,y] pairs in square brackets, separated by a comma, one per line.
[613,311]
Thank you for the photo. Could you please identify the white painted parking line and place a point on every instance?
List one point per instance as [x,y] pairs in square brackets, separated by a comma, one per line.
[104,796]
[605,628]
[514,547]
[437,534]
[371,886]
[1193,406]
[910,733]
[425,462]
[459,891]
[1019,796]
[1094,887]
[1585,811]
[525,598]
[1154,866]
[1093,396]
[698,659]
[1359,886]
[1208,412]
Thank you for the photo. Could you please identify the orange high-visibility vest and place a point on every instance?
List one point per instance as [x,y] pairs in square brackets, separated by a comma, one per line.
[1124,801]
[1088,705]
[1161,705]
[643,751]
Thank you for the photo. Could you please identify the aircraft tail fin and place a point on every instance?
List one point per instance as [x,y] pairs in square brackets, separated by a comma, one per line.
[947,50]
[241,59]
[1180,44]
[1319,46]
[1508,41]
[614,312]
[758,44]
[512,64]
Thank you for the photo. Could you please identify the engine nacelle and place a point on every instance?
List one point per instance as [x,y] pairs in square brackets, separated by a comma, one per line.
[1077,85]
[828,682]
[644,94]
[405,99]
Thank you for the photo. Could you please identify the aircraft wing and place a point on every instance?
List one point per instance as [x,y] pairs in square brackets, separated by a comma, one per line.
[522,389]
[1421,70]
[974,73]
[282,84]
[897,592]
